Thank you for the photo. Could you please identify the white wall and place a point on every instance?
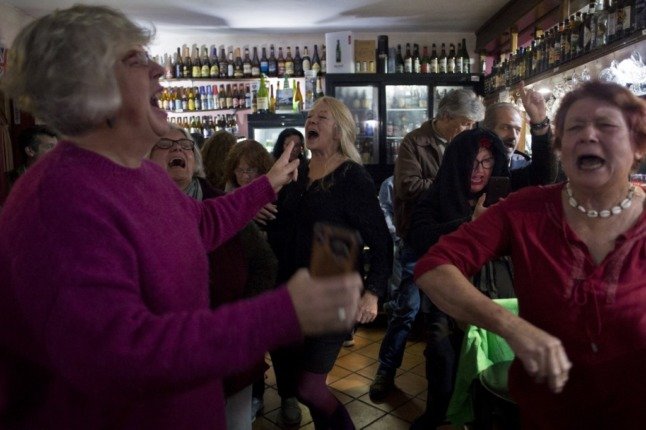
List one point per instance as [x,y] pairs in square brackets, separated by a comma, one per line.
[11,21]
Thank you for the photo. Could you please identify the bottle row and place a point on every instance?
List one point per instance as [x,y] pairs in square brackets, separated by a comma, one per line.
[207,125]
[453,60]
[589,29]
[197,63]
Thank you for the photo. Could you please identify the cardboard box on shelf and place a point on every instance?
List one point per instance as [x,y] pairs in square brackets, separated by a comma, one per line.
[364,56]
[340,52]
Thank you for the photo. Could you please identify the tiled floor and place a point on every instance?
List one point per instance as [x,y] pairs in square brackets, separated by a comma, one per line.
[350,381]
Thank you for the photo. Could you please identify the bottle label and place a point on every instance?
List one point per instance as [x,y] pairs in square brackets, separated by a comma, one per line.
[408,65]
[262,103]
[255,71]
[316,67]
[435,66]
[264,67]
[246,69]
[306,65]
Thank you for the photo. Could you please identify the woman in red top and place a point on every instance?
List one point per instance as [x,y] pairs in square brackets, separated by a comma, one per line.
[578,255]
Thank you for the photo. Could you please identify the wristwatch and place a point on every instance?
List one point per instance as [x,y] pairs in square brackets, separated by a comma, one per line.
[540,125]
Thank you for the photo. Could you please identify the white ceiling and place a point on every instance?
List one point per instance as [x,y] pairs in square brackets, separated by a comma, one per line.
[215,17]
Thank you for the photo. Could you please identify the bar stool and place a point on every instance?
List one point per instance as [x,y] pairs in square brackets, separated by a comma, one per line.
[494,407]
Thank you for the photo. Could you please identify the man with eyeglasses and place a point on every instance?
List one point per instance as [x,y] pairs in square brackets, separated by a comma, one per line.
[505,120]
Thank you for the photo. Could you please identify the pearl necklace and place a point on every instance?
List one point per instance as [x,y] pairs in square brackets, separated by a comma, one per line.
[605,213]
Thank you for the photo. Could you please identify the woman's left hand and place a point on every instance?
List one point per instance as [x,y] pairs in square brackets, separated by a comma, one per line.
[367,310]
[266,214]
[479,209]
[283,171]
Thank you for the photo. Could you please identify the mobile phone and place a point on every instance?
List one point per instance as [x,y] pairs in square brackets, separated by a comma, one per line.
[497,188]
[335,250]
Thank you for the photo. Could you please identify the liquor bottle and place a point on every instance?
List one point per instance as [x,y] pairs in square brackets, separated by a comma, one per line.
[451,59]
[589,29]
[206,63]
[272,101]
[255,64]
[566,50]
[399,60]
[229,97]
[199,97]
[235,97]
[187,68]
[169,68]
[197,64]
[601,23]
[425,66]
[417,62]
[298,98]
[179,64]
[231,66]
[408,60]
[629,17]
[216,98]
[575,35]
[190,99]
[458,59]
[298,63]
[621,18]
[443,60]
[222,97]
[246,64]
[434,65]
[612,21]
[238,68]
[319,88]
[262,97]
[214,71]
[264,62]
[306,63]
[289,63]
[466,60]
[280,64]
[272,64]
[323,60]
[224,65]
[316,63]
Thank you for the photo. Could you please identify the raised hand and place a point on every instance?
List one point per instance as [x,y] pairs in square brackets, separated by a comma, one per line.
[534,104]
[283,171]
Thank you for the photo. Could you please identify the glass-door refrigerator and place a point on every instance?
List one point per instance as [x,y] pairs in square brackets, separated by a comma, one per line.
[386,107]
[265,127]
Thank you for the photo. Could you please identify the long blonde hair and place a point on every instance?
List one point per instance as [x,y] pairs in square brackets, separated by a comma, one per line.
[345,125]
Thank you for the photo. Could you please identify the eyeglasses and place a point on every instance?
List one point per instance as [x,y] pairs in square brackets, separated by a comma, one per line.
[486,164]
[185,144]
[137,58]
[250,171]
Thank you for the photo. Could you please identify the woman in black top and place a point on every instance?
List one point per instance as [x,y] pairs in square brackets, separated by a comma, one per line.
[335,189]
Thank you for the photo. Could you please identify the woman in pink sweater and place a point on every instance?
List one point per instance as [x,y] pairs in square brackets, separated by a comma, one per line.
[104,317]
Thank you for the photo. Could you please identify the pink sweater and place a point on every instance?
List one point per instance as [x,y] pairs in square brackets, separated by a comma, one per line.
[104,319]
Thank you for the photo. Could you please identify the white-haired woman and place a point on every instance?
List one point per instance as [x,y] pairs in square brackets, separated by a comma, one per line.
[335,189]
[105,319]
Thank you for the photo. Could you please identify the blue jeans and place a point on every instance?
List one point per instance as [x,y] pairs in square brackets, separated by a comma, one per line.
[403,309]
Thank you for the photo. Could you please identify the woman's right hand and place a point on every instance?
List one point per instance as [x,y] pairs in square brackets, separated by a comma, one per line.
[479,208]
[542,354]
[325,305]
[283,171]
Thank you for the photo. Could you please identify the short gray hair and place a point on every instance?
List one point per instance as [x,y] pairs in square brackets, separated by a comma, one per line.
[489,121]
[198,170]
[61,66]
[461,102]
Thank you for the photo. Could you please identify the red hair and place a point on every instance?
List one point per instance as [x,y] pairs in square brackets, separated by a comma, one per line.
[632,107]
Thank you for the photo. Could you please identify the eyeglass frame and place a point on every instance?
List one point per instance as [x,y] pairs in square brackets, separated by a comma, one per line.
[188,147]
[488,160]
[250,171]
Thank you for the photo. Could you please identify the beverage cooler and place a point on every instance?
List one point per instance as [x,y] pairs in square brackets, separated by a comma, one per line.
[387,106]
[265,127]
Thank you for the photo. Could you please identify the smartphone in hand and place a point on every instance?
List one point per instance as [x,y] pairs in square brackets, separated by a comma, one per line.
[335,250]
[497,188]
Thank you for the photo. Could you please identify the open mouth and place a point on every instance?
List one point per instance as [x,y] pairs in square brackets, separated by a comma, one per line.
[589,162]
[154,101]
[177,162]
[509,143]
[312,134]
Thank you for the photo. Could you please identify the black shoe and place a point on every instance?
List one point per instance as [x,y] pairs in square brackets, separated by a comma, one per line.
[382,385]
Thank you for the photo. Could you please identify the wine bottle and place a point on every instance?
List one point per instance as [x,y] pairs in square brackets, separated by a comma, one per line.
[264,62]
[298,98]
[434,65]
[399,61]
[179,65]
[262,98]
[280,63]
[235,97]
[417,62]
[323,60]
[272,65]
[443,60]
[230,66]
[187,68]
[306,64]
[224,65]
[316,63]
[206,63]
[255,64]
[214,71]
[408,60]
[451,59]
[238,68]
[272,101]
[246,64]
[289,63]
[197,66]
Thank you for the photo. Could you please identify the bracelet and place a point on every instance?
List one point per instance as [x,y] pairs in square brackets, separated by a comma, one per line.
[541,125]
